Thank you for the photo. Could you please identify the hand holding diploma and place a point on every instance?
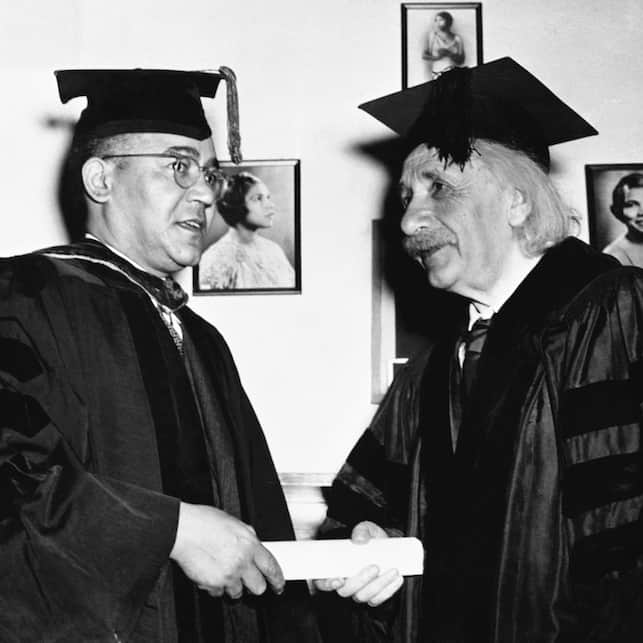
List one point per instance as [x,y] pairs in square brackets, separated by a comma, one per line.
[371,584]
[221,554]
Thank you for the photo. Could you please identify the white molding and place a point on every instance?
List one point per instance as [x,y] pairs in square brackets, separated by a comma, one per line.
[304,495]
[291,478]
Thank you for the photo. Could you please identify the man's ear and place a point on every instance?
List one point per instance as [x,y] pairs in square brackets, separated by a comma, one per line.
[97,179]
[519,208]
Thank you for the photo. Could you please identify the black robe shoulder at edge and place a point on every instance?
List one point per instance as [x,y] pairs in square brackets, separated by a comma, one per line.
[85,528]
[533,526]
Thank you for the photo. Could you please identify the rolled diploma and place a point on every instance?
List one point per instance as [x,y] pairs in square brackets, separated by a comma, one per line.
[308,559]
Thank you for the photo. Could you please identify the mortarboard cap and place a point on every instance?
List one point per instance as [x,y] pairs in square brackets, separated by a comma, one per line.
[123,101]
[500,101]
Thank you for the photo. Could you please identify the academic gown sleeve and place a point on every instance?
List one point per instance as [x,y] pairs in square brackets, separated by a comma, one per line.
[595,366]
[381,482]
[79,552]
[375,481]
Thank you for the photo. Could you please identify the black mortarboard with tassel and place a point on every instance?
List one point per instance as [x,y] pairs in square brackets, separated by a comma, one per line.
[500,101]
[128,101]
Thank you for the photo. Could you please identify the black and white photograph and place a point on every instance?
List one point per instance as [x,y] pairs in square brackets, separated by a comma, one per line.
[317,326]
[615,210]
[252,245]
[439,36]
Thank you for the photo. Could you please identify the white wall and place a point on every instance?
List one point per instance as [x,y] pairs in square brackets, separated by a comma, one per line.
[303,67]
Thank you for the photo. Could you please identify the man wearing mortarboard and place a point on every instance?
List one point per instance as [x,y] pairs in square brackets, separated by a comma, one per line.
[136,483]
[512,447]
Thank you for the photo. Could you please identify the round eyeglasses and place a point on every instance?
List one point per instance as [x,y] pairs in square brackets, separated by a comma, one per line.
[186,170]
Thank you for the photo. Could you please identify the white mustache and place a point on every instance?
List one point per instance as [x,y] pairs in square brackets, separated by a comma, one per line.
[427,242]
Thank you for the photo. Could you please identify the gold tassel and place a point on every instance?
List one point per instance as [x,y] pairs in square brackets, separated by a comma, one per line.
[232,106]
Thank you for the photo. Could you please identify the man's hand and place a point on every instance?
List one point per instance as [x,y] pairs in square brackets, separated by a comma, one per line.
[369,585]
[222,554]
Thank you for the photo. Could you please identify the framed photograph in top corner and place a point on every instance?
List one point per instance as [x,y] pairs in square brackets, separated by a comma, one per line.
[253,243]
[615,210]
[437,36]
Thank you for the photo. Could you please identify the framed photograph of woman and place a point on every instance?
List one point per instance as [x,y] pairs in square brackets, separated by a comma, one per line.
[437,36]
[253,243]
[615,210]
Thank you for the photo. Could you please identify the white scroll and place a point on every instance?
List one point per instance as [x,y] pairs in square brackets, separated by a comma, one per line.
[309,559]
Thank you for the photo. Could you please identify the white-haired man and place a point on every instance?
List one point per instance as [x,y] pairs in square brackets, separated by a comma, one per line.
[511,447]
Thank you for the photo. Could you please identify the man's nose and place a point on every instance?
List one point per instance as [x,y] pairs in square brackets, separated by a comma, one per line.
[417,216]
[202,191]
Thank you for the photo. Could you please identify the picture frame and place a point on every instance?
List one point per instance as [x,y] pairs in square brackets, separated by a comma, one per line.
[603,225]
[422,37]
[407,314]
[383,341]
[244,256]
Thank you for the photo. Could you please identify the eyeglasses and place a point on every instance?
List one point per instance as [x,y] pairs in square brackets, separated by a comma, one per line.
[186,170]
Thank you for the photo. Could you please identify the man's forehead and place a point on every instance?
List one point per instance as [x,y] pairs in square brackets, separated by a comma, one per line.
[424,161]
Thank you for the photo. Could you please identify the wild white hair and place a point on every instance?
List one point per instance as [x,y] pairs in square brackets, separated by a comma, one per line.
[550,219]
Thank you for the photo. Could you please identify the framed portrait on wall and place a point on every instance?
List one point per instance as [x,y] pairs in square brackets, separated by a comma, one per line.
[615,210]
[437,36]
[253,243]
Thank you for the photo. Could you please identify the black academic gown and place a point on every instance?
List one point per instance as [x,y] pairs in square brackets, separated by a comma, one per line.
[92,395]
[532,528]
